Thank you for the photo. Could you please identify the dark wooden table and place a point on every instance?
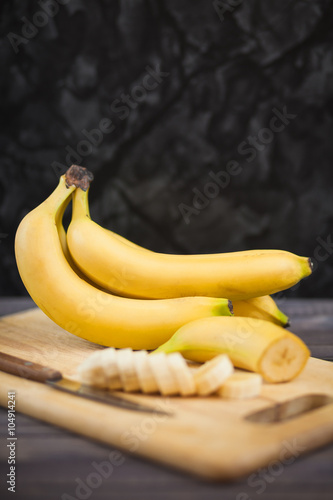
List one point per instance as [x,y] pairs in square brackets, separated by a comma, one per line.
[51,463]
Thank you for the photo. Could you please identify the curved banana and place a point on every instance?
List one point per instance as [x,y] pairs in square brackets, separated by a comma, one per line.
[81,308]
[134,272]
[260,308]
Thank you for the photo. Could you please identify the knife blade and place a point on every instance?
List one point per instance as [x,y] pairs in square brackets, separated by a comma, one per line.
[53,378]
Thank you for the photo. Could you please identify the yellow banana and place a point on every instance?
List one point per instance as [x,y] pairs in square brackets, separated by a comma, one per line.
[134,272]
[260,308]
[63,237]
[252,344]
[63,241]
[82,309]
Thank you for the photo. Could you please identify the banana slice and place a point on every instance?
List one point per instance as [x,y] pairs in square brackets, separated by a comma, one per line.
[241,385]
[165,379]
[211,375]
[111,370]
[91,372]
[183,374]
[144,372]
[127,372]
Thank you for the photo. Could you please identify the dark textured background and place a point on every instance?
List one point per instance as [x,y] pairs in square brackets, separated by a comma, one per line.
[225,76]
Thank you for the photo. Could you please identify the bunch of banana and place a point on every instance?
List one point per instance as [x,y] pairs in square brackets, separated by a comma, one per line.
[95,283]
[167,374]
[78,306]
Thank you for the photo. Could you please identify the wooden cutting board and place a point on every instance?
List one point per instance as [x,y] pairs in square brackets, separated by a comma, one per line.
[209,437]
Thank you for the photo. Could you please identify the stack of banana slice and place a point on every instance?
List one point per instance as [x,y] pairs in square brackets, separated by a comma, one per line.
[105,289]
[167,374]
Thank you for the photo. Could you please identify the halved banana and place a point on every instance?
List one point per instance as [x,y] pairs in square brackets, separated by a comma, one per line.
[182,373]
[211,375]
[165,379]
[241,385]
[144,372]
[127,372]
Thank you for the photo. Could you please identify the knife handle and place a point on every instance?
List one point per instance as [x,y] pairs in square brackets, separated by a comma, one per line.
[27,369]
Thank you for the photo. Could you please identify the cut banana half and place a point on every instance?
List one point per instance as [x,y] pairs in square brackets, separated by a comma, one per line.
[165,379]
[241,385]
[144,372]
[182,373]
[127,372]
[210,376]
[252,344]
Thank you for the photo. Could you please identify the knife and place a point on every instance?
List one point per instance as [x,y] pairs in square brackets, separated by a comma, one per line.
[53,378]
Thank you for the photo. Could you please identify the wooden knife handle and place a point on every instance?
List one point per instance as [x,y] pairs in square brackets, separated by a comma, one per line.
[27,369]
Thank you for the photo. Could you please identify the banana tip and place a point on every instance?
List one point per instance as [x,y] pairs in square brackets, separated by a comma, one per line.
[231,308]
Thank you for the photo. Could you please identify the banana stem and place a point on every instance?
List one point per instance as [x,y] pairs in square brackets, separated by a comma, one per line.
[79,177]
[75,177]
[81,204]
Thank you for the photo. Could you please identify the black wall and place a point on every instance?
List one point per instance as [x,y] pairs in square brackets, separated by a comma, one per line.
[204,86]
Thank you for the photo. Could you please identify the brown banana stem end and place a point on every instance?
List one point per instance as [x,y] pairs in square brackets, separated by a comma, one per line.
[79,177]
